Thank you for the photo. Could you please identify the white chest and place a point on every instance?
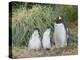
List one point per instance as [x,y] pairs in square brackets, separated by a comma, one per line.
[59,35]
[46,39]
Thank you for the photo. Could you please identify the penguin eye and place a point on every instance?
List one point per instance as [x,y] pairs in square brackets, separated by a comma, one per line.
[58,21]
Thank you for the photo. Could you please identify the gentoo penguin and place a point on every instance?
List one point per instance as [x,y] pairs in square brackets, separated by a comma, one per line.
[60,33]
[46,39]
[35,41]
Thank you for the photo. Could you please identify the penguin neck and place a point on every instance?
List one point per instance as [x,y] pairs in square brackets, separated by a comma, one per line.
[59,21]
[47,32]
[58,25]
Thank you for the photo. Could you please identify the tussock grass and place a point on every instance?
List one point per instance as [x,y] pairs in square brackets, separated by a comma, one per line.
[25,20]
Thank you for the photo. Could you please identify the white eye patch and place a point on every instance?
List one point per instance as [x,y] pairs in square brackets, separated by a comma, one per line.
[60,17]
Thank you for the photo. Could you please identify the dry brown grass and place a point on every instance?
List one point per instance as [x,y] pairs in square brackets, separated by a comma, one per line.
[25,53]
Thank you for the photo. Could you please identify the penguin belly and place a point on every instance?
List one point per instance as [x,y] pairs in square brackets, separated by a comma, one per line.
[46,40]
[60,36]
[34,42]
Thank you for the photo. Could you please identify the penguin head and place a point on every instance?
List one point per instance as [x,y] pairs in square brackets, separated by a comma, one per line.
[58,20]
[48,27]
[36,31]
[48,30]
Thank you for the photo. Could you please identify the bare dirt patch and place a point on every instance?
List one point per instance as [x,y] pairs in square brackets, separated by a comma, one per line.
[25,53]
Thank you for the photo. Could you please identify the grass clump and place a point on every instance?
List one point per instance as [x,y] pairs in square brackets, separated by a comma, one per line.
[27,16]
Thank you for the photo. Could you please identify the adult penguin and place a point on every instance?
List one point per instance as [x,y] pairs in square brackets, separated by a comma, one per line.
[46,43]
[35,41]
[61,33]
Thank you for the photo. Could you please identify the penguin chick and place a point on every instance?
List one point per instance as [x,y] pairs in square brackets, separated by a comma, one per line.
[46,39]
[34,42]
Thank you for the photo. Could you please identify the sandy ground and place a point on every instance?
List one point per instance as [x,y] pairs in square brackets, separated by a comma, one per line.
[25,53]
